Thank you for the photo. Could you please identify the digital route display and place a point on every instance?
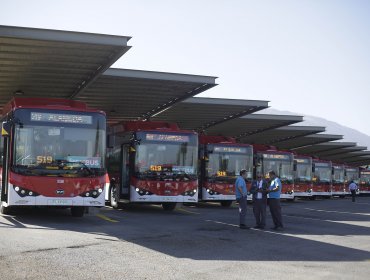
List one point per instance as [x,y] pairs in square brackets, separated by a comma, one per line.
[167,137]
[60,118]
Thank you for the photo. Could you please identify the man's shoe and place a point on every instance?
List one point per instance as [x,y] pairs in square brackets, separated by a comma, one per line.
[257,227]
[274,228]
[243,227]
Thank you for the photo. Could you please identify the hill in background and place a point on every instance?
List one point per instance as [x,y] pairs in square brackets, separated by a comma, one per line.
[349,134]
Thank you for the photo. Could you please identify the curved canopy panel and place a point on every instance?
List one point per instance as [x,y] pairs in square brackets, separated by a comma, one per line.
[362,159]
[308,141]
[342,151]
[52,63]
[277,135]
[251,124]
[202,113]
[344,157]
[126,94]
[316,150]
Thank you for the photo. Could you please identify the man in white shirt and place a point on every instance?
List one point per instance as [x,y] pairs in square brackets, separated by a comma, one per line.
[353,188]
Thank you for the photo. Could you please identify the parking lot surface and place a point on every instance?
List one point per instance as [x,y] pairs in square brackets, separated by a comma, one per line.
[322,239]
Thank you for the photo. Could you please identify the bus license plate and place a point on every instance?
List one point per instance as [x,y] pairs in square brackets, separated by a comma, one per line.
[60,202]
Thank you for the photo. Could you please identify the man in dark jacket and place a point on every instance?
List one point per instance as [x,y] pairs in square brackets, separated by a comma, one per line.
[259,191]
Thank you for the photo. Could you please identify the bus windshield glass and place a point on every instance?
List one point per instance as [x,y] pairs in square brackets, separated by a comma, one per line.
[338,176]
[166,155]
[282,164]
[225,162]
[322,173]
[352,175]
[365,177]
[59,143]
[304,172]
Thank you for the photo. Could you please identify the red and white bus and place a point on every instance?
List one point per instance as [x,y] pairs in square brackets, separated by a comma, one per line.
[53,154]
[351,174]
[302,176]
[152,162]
[364,186]
[222,158]
[269,158]
[322,178]
[338,185]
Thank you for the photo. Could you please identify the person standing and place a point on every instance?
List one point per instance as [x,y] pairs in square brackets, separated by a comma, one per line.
[353,188]
[274,200]
[241,197]
[259,192]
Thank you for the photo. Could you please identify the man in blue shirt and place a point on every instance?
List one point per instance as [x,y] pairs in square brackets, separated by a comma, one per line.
[353,188]
[274,200]
[241,197]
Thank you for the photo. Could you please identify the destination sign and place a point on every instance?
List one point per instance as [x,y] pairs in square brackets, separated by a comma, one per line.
[276,156]
[303,160]
[60,118]
[365,172]
[167,137]
[322,164]
[337,167]
[220,149]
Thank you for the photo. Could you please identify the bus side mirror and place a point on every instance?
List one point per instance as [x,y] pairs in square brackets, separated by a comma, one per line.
[295,166]
[332,171]
[313,168]
[5,129]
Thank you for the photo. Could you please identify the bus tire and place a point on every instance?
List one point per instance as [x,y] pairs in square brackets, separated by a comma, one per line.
[5,210]
[77,211]
[312,197]
[226,203]
[169,206]
[291,199]
[113,196]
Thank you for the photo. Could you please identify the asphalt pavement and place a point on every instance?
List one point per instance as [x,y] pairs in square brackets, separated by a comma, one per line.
[322,239]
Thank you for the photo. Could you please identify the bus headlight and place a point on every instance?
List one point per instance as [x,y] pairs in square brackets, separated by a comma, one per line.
[23,192]
[189,193]
[92,193]
[142,192]
[212,192]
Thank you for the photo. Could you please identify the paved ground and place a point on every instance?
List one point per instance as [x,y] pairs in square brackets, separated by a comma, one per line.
[323,239]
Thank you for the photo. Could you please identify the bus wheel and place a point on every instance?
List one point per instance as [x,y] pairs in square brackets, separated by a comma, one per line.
[342,196]
[312,197]
[169,206]
[113,197]
[291,199]
[226,203]
[5,210]
[77,211]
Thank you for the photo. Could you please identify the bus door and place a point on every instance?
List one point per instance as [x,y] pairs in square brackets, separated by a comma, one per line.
[4,154]
[126,150]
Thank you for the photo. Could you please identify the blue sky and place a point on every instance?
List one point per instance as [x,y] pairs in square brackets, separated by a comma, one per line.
[309,57]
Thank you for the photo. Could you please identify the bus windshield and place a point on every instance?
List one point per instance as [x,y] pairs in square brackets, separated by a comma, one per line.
[281,164]
[224,163]
[304,172]
[323,174]
[352,175]
[166,155]
[365,178]
[338,176]
[50,148]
